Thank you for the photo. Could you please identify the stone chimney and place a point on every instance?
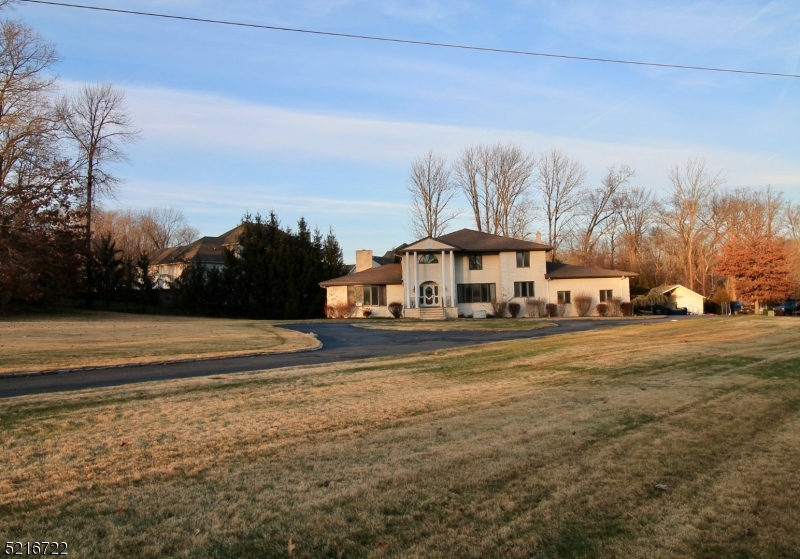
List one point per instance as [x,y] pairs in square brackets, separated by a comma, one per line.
[539,237]
[363,260]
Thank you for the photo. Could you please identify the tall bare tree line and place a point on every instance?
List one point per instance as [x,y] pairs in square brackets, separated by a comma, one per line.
[675,238]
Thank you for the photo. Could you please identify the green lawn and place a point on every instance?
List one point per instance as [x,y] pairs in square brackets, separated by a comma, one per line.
[535,448]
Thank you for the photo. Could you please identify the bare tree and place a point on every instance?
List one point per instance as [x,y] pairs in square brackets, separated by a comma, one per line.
[791,220]
[97,122]
[496,180]
[599,207]
[636,211]
[167,227]
[560,187]
[431,193]
[693,185]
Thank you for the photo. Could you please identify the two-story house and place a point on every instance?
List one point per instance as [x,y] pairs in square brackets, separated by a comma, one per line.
[464,272]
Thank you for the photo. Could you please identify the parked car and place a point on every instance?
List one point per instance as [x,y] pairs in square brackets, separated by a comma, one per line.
[737,307]
[787,308]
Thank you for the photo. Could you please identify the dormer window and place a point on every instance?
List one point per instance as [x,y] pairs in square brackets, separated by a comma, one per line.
[428,259]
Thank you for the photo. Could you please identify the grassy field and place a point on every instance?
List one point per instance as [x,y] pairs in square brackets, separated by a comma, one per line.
[88,339]
[540,448]
[462,324]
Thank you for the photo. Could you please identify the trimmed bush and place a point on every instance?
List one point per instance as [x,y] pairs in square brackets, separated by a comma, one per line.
[513,309]
[583,304]
[366,313]
[614,306]
[499,307]
[396,309]
[340,310]
[551,309]
[626,309]
[602,309]
[535,308]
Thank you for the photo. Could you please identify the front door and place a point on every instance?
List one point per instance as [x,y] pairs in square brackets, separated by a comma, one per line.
[429,295]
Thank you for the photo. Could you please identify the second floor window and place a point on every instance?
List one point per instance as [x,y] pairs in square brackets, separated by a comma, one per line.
[524,259]
[476,262]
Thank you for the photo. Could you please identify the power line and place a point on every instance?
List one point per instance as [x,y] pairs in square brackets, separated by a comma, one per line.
[413,42]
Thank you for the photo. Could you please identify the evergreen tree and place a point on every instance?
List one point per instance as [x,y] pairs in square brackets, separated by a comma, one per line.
[108,267]
[145,282]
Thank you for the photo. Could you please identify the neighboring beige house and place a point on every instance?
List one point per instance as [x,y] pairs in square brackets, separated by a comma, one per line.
[462,273]
[679,297]
[169,263]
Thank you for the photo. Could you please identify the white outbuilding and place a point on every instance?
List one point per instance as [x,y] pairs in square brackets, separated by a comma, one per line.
[682,297]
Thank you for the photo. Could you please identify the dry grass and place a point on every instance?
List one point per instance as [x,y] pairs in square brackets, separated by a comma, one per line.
[462,324]
[94,339]
[538,448]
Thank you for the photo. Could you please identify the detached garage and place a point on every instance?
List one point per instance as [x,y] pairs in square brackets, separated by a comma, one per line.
[680,297]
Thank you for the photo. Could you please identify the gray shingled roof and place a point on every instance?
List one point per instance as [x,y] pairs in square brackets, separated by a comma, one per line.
[388,274]
[468,240]
[208,250]
[556,270]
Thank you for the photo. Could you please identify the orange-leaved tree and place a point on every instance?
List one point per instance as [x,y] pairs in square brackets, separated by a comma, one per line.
[759,267]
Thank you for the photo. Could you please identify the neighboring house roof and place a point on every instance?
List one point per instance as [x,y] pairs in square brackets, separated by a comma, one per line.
[388,274]
[664,289]
[208,250]
[467,240]
[556,270]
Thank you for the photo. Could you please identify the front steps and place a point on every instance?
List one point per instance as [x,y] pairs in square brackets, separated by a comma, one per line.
[432,313]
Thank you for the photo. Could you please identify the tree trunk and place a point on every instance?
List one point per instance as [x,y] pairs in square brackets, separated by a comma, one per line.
[89,256]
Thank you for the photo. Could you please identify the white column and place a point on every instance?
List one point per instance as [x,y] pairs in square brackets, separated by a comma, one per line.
[444,282]
[406,280]
[453,288]
[416,280]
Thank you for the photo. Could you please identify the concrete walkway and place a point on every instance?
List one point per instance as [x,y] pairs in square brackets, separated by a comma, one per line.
[341,342]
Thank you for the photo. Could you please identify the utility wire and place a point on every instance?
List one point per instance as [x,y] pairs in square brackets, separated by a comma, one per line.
[413,42]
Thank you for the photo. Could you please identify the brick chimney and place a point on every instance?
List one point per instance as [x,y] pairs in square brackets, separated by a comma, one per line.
[539,237]
[363,260]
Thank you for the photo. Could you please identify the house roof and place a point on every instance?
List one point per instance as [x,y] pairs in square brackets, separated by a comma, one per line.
[388,274]
[208,250]
[556,270]
[664,289]
[469,240]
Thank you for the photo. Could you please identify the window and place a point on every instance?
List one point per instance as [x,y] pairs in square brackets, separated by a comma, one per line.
[523,260]
[428,259]
[373,295]
[606,295]
[523,289]
[565,297]
[475,262]
[476,292]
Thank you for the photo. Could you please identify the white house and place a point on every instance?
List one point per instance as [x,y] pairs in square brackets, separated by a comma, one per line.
[680,297]
[462,273]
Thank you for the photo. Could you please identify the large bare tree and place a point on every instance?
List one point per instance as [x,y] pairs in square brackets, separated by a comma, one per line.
[137,231]
[496,180]
[598,209]
[96,120]
[432,195]
[559,183]
[685,212]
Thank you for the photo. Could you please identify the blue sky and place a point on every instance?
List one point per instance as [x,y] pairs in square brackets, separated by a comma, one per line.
[237,120]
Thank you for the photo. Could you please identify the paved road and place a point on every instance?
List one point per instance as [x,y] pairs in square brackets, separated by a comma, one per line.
[341,342]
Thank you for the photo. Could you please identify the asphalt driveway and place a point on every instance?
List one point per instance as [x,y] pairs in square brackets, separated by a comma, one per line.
[341,342]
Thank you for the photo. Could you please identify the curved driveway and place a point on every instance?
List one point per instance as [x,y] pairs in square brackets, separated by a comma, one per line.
[341,342]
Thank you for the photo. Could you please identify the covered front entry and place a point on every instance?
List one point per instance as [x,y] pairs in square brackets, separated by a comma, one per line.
[429,294]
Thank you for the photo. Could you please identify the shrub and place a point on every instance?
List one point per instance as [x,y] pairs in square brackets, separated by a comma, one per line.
[366,312]
[626,309]
[513,309]
[564,309]
[499,307]
[551,309]
[339,310]
[583,304]
[396,309]
[614,306]
[535,308]
[602,309]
